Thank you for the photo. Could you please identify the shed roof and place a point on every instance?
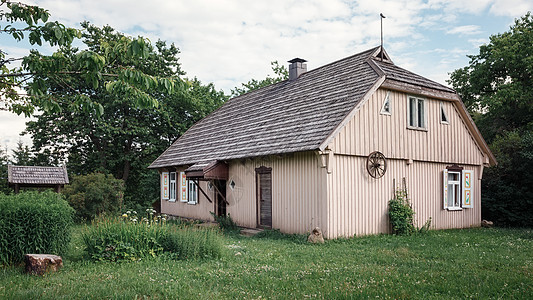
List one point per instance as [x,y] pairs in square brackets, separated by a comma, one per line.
[37,175]
[289,116]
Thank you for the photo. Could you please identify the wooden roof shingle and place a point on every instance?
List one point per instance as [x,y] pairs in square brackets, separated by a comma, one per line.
[37,175]
[289,116]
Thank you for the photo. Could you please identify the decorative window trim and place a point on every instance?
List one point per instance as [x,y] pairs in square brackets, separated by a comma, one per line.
[443,115]
[232,184]
[423,118]
[183,188]
[165,185]
[386,108]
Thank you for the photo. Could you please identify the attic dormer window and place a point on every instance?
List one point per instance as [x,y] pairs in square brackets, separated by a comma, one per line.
[443,115]
[386,107]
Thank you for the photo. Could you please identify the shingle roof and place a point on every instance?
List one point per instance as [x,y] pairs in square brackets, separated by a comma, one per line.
[289,116]
[37,175]
[394,72]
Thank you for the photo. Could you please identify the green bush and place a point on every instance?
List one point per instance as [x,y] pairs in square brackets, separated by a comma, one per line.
[401,214]
[226,223]
[94,194]
[129,238]
[192,243]
[113,239]
[32,222]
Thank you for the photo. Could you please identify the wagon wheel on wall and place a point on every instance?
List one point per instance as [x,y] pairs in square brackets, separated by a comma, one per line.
[376,164]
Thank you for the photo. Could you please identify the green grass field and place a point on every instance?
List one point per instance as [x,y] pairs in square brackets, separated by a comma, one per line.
[451,264]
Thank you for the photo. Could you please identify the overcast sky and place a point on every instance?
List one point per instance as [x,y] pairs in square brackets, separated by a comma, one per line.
[228,42]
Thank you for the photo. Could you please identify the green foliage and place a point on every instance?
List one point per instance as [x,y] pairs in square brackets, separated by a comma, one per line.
[125,139]
[32,222]
[497,87]
[4,186]
[131,239]
[281,74]
[112,239]
[56,34]
[401,214]
[226,223]
[192,243]
[52,32]
[113,65]
[94,194]
[507,188]
[22,155]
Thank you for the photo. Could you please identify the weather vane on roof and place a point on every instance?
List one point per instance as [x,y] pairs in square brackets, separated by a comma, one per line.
[381,52]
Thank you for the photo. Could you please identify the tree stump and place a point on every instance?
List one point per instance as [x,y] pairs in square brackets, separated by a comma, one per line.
[39,264]
[486,224]
[316,236]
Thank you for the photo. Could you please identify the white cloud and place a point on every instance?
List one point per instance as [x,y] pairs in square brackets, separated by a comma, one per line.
[511,8]
[465,30]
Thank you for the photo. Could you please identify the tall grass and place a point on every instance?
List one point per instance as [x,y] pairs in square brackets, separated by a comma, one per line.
[33,222]
[118,239]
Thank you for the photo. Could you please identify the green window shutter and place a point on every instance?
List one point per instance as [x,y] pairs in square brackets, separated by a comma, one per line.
[467,189]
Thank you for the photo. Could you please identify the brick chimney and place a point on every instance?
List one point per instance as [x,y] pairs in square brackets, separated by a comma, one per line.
[296,68]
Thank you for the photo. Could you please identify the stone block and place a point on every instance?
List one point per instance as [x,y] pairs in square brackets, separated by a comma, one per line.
[39,264]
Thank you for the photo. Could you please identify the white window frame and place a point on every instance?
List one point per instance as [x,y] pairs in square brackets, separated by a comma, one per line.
[386,102]
[416,124]
[443,112]
[172,187]
[193,192]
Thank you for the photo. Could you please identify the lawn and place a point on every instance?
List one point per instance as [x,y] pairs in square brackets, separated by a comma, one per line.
[470,263]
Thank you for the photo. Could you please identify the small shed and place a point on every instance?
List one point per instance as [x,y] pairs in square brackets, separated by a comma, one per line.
[37,177]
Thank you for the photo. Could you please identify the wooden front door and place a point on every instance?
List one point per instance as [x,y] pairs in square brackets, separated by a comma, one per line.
[264,196]
[220,198]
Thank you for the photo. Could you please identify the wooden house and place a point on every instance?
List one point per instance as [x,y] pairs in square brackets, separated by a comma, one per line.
[326,148]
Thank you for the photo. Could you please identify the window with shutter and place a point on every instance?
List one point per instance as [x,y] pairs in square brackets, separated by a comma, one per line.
[457,188]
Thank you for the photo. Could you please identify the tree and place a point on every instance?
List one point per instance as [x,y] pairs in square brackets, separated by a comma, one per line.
[497,88]
[88,65]
[4,186]
[281,74]
[125,138]
[94,194]
[22,155]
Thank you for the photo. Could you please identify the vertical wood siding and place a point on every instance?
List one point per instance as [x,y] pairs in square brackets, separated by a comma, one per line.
[200,211]
[358,203]
[298,192]
[370,131]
